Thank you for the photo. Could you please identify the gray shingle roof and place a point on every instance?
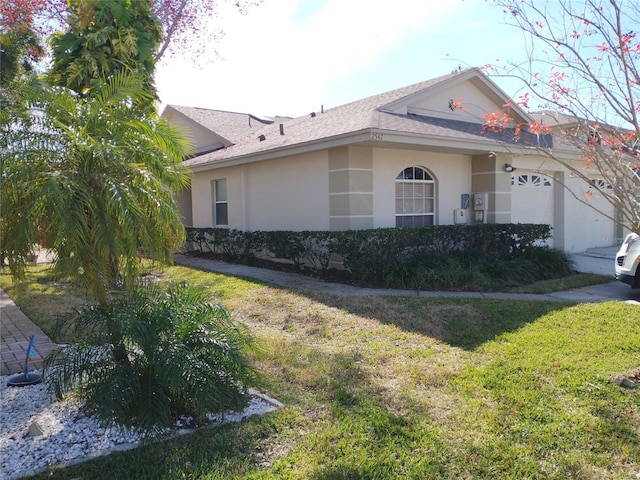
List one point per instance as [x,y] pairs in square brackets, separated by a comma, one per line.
[554,119]
[231,126]
[461,130]
[352,118]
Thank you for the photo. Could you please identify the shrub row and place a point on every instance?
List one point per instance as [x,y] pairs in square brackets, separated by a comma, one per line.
[308,249]
[434,256]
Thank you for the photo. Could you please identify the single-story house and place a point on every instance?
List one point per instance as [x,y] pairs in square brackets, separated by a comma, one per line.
[414,156]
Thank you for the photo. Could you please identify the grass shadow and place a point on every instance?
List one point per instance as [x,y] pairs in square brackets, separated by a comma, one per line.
[335,420]
[465,323]
[461,322]
[366,398]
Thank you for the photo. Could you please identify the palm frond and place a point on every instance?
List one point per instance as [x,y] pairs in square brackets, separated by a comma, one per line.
[153,352]
[92,177]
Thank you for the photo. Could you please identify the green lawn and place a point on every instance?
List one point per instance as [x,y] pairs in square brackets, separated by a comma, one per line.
[392,387]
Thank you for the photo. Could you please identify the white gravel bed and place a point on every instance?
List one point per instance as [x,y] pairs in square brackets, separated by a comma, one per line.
[69,434]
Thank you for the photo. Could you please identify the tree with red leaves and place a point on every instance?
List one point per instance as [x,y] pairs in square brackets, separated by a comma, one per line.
[19,13]
[183,21]
[581,65]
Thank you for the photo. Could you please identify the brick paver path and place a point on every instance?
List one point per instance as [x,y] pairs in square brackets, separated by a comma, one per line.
[15,330]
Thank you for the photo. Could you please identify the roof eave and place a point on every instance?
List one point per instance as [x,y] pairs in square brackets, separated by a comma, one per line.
[284,151]
[381,138]
[465,146]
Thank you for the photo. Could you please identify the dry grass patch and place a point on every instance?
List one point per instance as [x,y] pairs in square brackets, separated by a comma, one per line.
[436,320]
[415,387]
[42,296]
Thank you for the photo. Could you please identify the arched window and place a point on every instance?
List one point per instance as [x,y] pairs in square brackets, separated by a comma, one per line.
[415,198]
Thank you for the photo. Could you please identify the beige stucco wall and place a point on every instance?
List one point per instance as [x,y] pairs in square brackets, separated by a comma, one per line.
[473,107]
[282,194]
[451,172]
[183,200]
[488,176]
[309,192]
[351,194]
[354,187]
[288,193]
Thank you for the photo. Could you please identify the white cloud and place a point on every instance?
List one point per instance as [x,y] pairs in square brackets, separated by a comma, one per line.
[272,65]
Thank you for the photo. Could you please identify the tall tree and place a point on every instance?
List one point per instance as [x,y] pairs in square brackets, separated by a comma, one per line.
[20,48]
[83,173]
[92,180]
[19,51]
[581,64]
[187,27]
[102,39]
[20,13]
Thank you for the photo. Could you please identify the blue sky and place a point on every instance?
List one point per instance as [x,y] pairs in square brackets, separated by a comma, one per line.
[289,57]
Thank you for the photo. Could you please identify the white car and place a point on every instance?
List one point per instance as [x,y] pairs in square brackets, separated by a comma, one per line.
[628,261]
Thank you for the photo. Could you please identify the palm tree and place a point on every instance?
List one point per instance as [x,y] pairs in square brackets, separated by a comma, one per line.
[92,179]
[152,355]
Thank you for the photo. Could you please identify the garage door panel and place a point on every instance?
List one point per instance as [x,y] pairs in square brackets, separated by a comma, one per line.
[532,199]
[598,227]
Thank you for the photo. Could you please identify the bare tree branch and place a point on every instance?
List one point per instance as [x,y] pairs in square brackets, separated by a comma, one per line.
[581,62]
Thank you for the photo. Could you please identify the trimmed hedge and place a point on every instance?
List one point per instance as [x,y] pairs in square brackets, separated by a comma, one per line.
[374,255]
[443,256]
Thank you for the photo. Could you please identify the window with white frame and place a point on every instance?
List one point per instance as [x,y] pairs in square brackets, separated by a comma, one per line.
[220,204]
[415,198]
[531,180]
[601,184]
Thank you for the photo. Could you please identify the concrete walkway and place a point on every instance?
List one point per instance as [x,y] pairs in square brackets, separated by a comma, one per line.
[16,327]
[593,263]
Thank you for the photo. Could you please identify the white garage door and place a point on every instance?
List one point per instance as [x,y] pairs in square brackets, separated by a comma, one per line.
[598,228]
[532,199]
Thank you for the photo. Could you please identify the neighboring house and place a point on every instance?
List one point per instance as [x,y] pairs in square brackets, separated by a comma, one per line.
[408,157]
